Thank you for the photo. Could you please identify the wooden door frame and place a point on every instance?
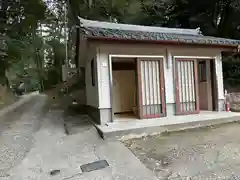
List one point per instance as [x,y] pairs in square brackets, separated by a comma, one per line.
[177,95]
[110,56]
[214,85]
[212,81]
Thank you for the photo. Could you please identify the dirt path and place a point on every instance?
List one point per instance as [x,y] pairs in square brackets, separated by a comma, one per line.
[16,133]
[210,153]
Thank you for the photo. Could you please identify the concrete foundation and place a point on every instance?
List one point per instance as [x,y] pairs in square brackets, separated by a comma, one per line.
[171,109]
[221,105]
[103,116]
[94,114]
[99,116]
[129,128]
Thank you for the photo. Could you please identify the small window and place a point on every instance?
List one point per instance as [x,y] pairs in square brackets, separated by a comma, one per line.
[93,72]
[202,71]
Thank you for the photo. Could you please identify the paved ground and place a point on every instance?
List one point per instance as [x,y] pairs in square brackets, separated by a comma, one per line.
[16,133]
[210,153]
[33,145]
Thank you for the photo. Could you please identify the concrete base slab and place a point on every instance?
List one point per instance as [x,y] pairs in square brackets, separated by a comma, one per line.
[132,128]
[53,150]
[77,124]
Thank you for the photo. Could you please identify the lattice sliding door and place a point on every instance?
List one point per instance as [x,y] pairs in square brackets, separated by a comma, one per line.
[187,97]
[151,88]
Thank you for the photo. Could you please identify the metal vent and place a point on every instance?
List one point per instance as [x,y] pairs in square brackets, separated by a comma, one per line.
[94,166]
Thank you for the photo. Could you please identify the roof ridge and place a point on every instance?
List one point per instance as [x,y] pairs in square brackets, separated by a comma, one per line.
[110,25]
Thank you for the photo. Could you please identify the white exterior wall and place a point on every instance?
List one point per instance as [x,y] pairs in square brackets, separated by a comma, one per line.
[92,98]
[218,62]
[169,53]
[86,53]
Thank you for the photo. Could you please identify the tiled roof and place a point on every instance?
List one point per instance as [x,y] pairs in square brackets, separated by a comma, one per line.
[96,29]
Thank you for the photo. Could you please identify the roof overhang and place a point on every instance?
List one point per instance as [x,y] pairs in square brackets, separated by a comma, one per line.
[128,33]
[163,42]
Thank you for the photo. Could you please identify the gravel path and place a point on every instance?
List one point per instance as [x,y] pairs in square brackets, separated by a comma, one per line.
[209,153]
[16,133]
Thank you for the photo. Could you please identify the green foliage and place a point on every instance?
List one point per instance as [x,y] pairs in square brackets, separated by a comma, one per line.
[18,20]
[35,36]
[215,17]
[32,41]
[231,71]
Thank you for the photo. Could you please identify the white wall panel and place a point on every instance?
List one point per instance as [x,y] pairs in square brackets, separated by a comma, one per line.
[219,75]
[104,80]
[91,91]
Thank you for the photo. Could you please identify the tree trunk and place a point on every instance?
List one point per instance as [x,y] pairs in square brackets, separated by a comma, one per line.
[223,28]
[3,62]
[75,15]
[3,15]
[77,49]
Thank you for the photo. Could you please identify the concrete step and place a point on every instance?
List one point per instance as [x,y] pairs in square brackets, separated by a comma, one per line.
[138,128]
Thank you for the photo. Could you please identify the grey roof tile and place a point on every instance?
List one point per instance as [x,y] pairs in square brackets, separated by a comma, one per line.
[124,31]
